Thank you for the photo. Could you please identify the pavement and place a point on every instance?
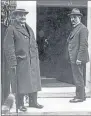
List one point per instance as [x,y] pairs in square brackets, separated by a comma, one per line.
[58,106]
[56,103]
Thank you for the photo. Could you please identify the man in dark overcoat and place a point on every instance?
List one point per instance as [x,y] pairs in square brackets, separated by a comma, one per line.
[78,53]
[22,55]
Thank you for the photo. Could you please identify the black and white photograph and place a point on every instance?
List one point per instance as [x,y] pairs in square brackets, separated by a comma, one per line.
[45,58]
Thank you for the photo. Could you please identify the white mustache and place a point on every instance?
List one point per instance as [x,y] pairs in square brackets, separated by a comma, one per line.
[23,19]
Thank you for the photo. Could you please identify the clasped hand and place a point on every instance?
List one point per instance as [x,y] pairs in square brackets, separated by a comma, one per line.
[78,62]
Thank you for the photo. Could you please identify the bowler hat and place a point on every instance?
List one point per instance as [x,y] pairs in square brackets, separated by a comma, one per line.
[20,11]
[75,11]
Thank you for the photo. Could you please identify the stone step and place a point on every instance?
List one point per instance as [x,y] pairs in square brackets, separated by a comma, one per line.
[65,92]
[52,88]
[57,92]
[57,107]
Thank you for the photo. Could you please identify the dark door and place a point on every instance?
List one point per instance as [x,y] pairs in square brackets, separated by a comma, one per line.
[53,29]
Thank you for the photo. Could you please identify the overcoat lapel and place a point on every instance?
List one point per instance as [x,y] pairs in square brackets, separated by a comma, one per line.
[31,34]
[21,30]
[28,30]
[75,31]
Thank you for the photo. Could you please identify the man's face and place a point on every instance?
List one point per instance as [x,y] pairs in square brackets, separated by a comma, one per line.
[75,19]
[21,18]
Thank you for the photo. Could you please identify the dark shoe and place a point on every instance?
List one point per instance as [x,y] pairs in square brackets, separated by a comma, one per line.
[76,100]
[36,105]
[75,97]
[23,108]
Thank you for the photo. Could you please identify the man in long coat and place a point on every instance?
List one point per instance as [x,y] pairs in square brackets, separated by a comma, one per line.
[78,53]
[22,55]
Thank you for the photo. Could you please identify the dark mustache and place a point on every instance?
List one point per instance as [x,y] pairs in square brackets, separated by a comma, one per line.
[73,21]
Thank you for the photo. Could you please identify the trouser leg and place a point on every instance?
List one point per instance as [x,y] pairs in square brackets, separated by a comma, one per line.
[20,100]
[34,101]
[21,106]
[33,98]
[78,80]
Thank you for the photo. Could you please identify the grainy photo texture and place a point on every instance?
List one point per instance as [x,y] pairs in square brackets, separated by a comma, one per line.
[45,57]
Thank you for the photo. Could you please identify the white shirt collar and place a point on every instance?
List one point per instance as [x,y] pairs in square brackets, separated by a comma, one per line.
[23,25]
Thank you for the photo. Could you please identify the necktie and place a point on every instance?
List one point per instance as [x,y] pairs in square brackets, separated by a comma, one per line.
[23,26]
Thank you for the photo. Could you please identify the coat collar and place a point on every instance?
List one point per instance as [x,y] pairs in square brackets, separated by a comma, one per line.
[21,29]
[75,31]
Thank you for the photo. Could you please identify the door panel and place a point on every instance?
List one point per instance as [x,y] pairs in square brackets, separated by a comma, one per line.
[53,29]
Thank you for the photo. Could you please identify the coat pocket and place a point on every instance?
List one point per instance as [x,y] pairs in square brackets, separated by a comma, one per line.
[21,54]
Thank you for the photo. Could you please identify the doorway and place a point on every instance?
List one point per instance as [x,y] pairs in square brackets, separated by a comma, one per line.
[53,27]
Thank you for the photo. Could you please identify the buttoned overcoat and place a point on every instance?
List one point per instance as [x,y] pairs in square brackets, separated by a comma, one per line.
[21,51]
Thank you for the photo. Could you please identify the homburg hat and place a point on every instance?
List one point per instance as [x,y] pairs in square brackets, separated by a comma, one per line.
[20,11]
[75,11]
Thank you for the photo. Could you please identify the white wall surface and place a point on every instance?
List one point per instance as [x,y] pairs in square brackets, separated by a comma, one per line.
[30,6]
[88,66]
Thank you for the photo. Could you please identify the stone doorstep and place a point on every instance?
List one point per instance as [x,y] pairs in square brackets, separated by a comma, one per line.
[59,107]
[59,92]
[52,88]
[44,112]
[50,114]
[53,92]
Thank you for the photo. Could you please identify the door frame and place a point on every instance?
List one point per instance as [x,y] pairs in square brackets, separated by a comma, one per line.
[77,3]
